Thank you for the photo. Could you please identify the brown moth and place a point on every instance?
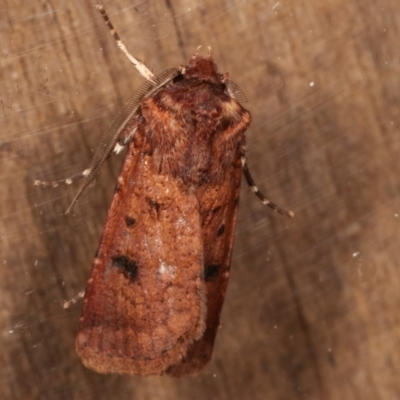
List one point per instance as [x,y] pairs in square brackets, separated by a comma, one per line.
[153,301]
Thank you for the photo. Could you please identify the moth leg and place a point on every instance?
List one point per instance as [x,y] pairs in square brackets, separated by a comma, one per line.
[72,301]
[67,181]
[119,146]
[103,151]
[124,139]
[139,65]
[108,143]
[254,188]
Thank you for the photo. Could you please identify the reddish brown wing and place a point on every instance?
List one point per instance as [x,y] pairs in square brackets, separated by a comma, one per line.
[164,257]
[219,206]
[145,300]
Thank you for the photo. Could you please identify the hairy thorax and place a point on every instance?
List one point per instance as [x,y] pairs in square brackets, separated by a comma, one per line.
[193,129]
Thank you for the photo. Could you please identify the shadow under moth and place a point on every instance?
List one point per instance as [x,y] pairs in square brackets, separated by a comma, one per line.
[154,297]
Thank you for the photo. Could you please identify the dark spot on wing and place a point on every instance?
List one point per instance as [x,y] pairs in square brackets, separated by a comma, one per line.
[128,267]
[129,221]
[221,230]
[211,271]
[153,204]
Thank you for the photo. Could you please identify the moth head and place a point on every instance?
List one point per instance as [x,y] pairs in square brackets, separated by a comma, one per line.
[203,68]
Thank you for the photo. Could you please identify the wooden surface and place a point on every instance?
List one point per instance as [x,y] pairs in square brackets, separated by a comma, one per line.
[312,310]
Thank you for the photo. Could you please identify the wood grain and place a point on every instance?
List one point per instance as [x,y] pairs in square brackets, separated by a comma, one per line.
[312,305]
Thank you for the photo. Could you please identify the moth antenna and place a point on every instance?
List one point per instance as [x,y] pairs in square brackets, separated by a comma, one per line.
[234,90]
[139,65]
[254,188]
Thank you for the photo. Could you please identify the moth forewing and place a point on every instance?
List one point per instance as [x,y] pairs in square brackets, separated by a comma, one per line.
[145,300]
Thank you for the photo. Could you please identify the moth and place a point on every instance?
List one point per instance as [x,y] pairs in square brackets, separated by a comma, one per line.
[153,301]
